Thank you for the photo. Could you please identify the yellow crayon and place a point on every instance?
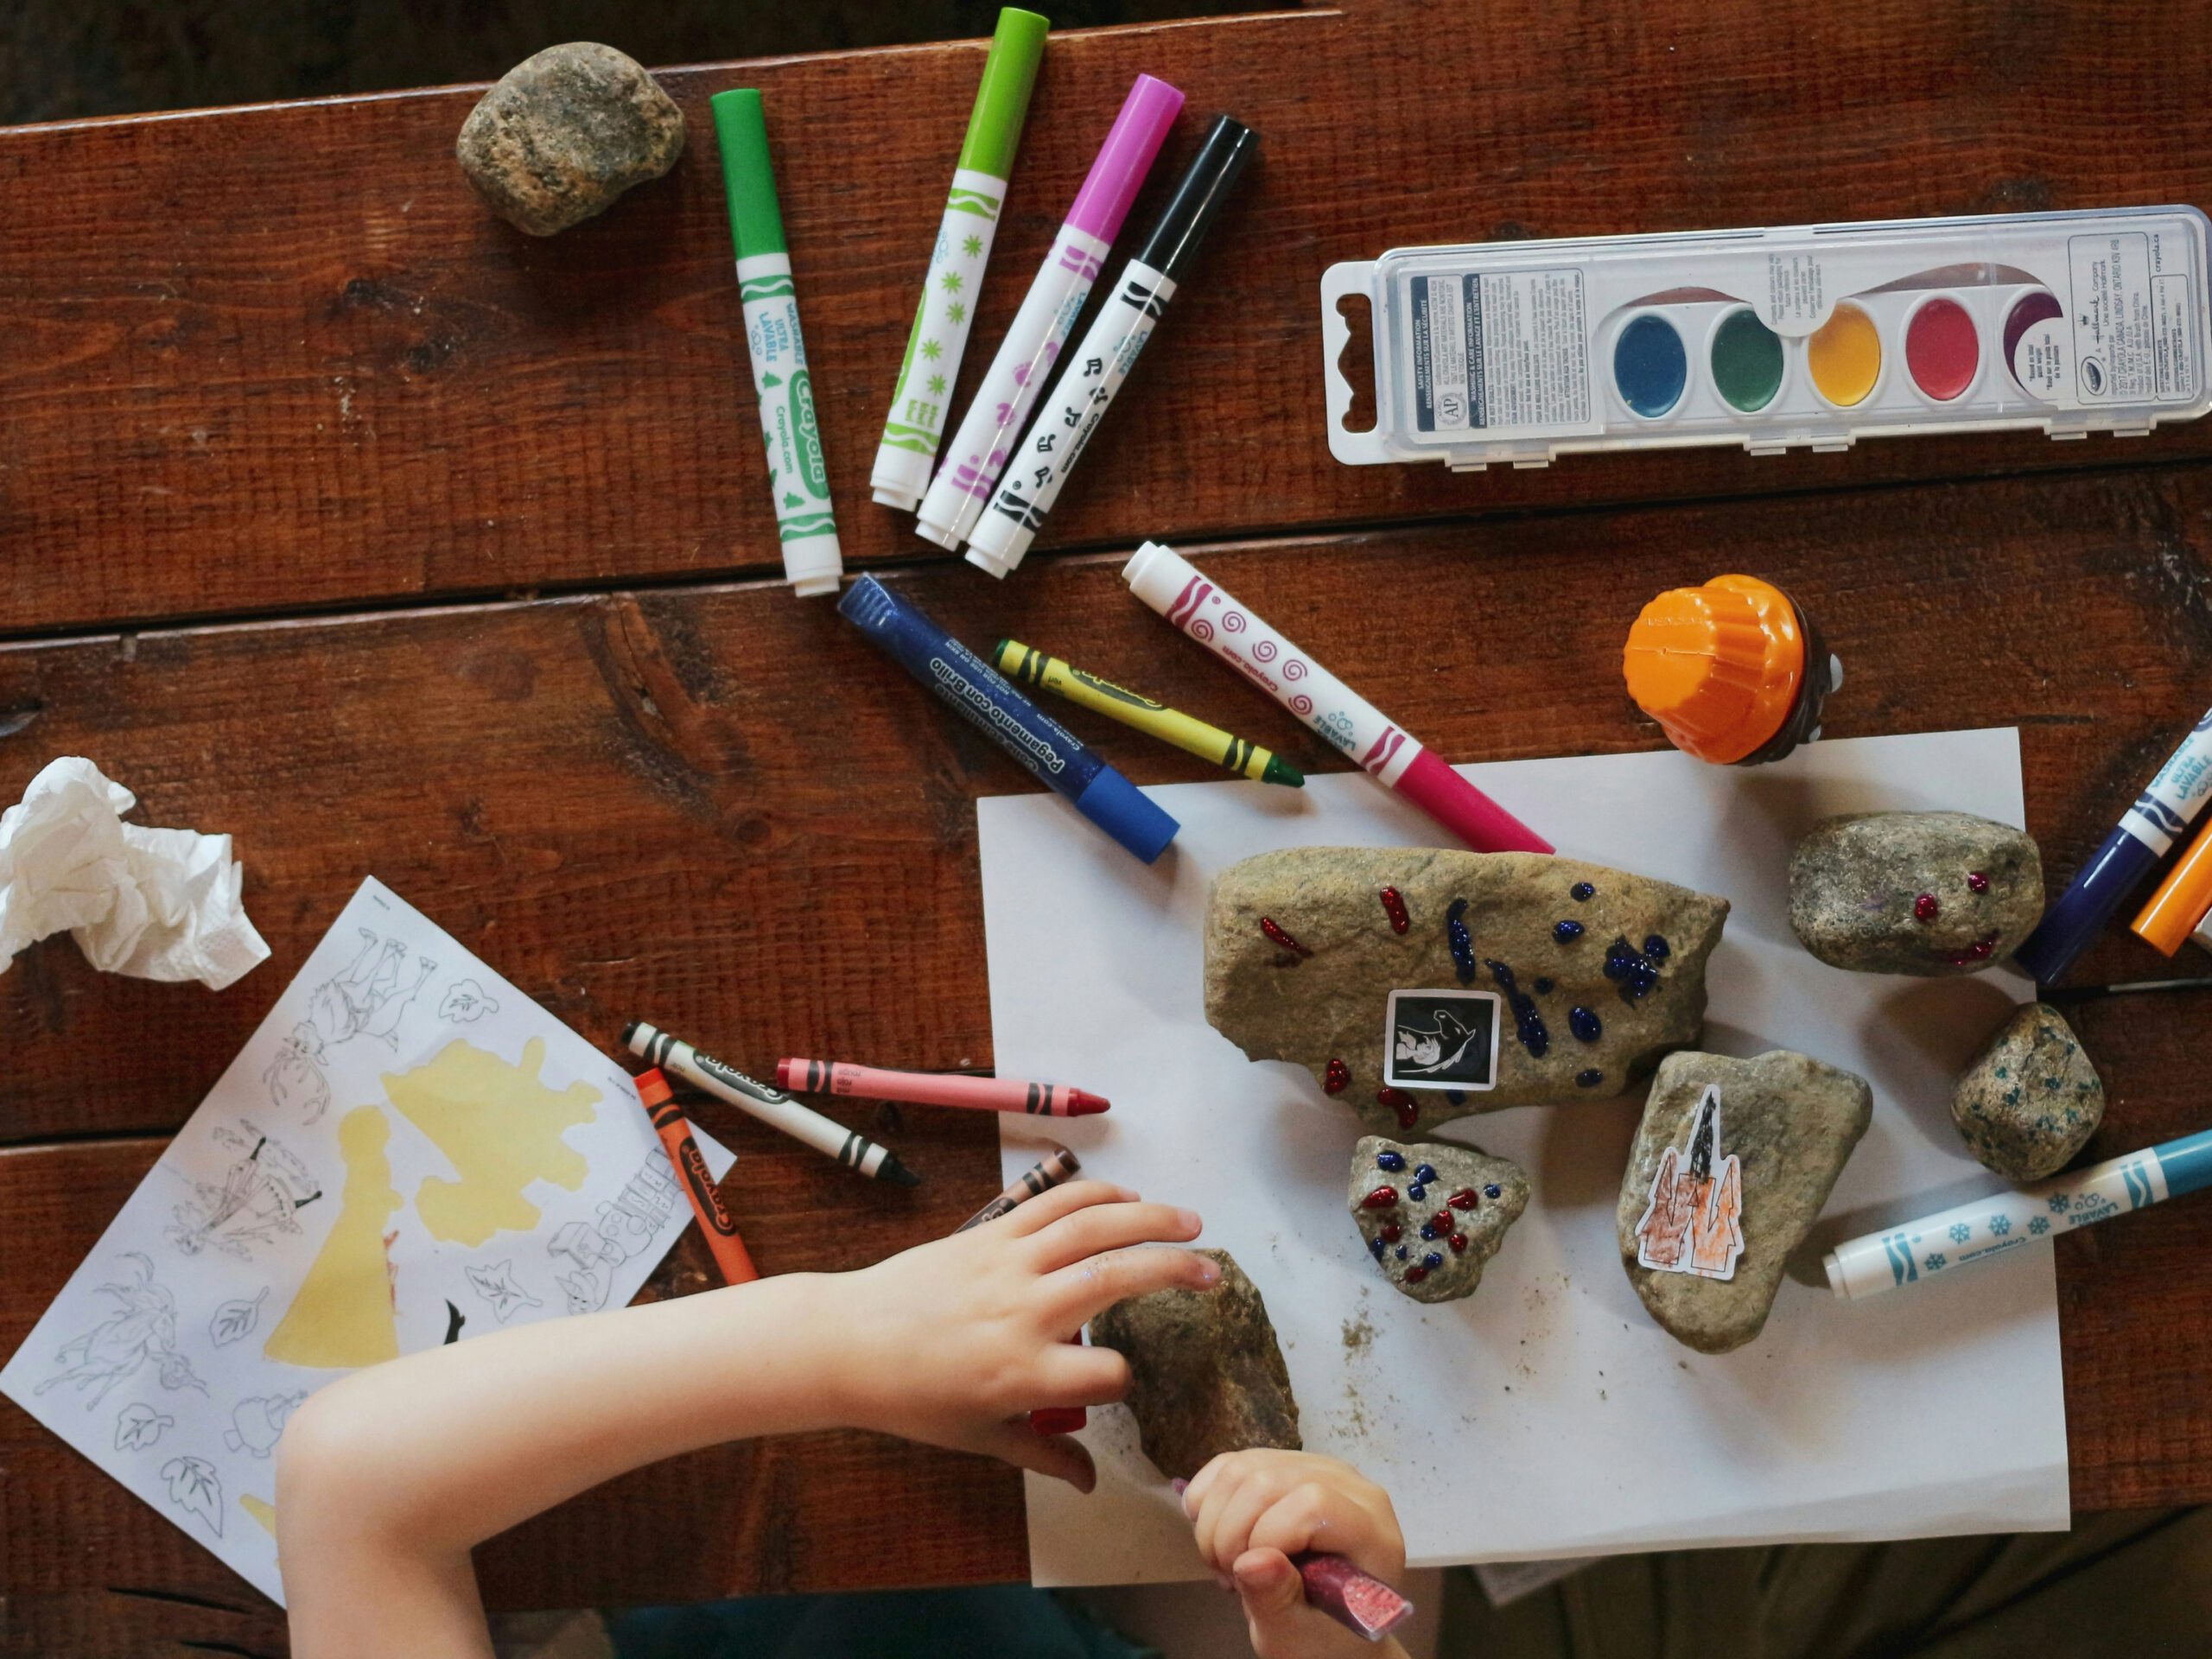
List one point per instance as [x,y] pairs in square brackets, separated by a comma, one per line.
[1031,667]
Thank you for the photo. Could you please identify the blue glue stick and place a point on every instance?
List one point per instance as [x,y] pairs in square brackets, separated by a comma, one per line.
[905,632]
[2161,812]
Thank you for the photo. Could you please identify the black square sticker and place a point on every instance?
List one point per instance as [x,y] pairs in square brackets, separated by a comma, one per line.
[1441,1039]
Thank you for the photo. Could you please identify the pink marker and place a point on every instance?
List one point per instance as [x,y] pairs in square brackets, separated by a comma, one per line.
[936,1089]
[1168,583]
[1040,328]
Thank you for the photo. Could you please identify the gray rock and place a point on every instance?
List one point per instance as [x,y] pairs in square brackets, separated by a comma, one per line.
[1933,893]
[1790,1122]
[564,133]
[1431,1237]
[1205,1373]
[2031,1100]
[1542,950]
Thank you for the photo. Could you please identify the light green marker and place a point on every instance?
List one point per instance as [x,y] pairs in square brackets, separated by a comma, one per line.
[798,481]
[908,453]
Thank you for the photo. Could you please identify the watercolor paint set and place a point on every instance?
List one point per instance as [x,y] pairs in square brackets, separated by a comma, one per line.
[1802,337]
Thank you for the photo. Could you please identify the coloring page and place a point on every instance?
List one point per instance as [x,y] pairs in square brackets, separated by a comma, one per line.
[408,1152]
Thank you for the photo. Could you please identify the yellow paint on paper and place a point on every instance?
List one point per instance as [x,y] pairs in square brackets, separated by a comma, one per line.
[500,1127]
[261,1510]
[342,1316]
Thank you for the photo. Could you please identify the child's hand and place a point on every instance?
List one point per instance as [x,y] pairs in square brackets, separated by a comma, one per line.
[1253,1510]
[952,1343]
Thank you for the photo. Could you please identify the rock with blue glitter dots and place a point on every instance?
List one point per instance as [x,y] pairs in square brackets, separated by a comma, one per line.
[1571,979]
[2032,1099]
[1432,1237]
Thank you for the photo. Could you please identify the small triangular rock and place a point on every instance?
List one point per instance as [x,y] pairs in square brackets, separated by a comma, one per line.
[1432,1212]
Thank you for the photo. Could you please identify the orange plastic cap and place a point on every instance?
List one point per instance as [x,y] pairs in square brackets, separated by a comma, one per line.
[1717,666]
[2182,899]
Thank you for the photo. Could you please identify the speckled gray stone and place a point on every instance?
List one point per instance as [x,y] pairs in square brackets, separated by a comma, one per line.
[1205,1372]
[1331,1005]
[1856,883]
[564,133]
[1493,1192]
[2031,1100]
[1792,1122]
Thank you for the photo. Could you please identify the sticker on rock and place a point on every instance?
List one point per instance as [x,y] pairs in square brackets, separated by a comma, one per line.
[1692,1222]
[1441,1039]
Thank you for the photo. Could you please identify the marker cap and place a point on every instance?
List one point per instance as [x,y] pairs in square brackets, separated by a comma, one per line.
[1125,157]
[1723,668]
[2087,904]
[1002,99]
[1200,197]
[756,224]
[1128,814]
[2183,900]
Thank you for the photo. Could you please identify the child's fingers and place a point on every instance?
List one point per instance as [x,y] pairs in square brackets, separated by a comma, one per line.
[1056,1455]
[1070,1376]
[1076,1293]
[1223,1465]
[1048,1207]
[1313,1515]
[1098,1227]
[1273,1594]
[1224,1529]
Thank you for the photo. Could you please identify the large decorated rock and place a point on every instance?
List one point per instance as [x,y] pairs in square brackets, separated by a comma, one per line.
[1931,894]
[2032,1099]
[1731,1165]
[1418,985]
[1205,1373]
[1432,1212]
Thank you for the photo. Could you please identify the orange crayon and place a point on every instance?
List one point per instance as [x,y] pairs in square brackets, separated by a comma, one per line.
[669,1122]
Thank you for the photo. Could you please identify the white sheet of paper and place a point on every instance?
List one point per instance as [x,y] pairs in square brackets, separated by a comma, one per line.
[1546,1415]
[151,1360]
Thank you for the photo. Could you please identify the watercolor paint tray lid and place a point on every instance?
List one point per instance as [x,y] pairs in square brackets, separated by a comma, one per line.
[1773,338]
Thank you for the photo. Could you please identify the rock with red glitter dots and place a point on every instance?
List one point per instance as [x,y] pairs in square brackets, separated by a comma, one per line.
[1435,1252]
[1636,972]
[1928,894]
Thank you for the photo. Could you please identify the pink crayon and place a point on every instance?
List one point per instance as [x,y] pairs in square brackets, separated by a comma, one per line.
[1168,583]
[936,1089]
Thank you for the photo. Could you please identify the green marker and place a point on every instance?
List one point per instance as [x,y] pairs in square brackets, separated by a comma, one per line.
[908,451]
[798,481]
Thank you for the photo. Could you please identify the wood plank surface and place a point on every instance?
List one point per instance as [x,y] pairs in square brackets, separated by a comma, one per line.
[283,359]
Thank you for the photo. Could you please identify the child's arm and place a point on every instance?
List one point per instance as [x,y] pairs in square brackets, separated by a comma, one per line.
[1253,1510]
[387,1478]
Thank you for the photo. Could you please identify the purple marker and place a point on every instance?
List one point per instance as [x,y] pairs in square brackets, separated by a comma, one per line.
[1040,328]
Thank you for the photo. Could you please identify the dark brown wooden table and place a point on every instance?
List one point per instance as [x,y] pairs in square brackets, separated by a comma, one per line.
[339,516]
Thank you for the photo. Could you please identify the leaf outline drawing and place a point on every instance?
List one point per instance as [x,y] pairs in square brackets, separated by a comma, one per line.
[497,1285]
[465,1002]
[138,1427]
[195,1488]
[236,1320]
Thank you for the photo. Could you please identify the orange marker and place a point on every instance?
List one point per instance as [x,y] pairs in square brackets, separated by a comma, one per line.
[659,1102]
[1734,671]
[2183,903]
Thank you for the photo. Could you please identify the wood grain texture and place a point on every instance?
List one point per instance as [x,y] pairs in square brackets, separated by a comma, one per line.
[285,357]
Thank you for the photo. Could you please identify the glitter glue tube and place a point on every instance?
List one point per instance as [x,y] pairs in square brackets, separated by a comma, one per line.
[692,1175]
[938,1089]
[1356,1600]
[772,1106]
[1734,671]
[798,479]
[1047,315]
[1169,583]
[2161,812]
[1108,352]
[903,630]
[1985,1227]
[916,424]
[1047,1172]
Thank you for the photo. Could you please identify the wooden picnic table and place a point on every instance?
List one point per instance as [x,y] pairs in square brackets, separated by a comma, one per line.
[340,517]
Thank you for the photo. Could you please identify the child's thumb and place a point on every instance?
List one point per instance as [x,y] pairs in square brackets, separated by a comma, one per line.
[1269,1586]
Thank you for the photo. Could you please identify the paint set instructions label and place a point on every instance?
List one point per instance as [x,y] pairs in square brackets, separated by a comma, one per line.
[1506,349]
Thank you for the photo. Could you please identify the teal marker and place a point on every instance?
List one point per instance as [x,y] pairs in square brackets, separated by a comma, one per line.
[798,481]
[907,454]
[2005,1221]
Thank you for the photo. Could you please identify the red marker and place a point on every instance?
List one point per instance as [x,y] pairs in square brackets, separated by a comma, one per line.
[659,1102]
[1360,1601]
[936,1089]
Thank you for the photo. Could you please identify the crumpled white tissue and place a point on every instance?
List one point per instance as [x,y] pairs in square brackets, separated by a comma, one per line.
[157,903]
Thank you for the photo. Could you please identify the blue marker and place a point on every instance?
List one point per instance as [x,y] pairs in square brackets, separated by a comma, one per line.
[2161,812]
[902,630]
[2003,1221]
